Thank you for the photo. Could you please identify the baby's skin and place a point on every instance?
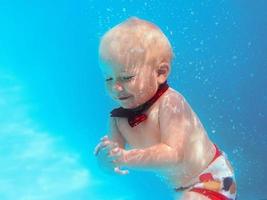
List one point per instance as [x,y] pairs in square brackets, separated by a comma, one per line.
[171,142]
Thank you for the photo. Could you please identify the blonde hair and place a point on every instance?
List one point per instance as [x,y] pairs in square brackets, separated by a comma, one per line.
[135,42]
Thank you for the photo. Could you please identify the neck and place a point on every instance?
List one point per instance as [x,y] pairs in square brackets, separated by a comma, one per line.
[136,115]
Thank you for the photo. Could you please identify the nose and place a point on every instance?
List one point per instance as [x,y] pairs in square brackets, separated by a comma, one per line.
[117,87]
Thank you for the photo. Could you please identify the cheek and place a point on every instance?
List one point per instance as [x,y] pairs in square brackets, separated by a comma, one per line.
[144,88]
[108,88]
[135,86]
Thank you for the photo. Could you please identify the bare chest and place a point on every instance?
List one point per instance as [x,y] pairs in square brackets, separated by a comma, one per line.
[143,135]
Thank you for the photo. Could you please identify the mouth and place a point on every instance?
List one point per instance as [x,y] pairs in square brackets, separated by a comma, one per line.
[124,98]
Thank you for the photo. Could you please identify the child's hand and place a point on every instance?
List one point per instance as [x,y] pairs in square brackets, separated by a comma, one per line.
[109,155]
[105,145]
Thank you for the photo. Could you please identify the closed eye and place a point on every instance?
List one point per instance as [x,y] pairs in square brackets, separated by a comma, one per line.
[109,79]
[127,78]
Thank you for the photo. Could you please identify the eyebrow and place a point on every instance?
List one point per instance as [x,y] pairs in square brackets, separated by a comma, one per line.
[122,73]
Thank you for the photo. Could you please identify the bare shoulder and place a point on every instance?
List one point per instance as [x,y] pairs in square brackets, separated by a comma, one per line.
[172,98]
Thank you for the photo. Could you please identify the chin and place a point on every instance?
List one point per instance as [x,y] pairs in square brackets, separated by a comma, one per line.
[128,105]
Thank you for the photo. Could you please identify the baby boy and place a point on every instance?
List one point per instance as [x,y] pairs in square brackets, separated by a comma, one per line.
[160,129]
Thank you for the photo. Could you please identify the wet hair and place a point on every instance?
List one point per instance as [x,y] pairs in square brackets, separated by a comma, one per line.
[135,42]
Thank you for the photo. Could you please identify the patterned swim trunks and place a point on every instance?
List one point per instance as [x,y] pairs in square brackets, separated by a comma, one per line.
[217,181]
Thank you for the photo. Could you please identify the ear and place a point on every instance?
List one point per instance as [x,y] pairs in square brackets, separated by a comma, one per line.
[163,72]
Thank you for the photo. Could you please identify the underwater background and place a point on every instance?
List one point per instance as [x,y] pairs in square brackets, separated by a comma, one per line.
[54,108]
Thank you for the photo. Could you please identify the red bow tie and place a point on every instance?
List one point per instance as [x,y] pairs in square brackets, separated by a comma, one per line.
[136,115]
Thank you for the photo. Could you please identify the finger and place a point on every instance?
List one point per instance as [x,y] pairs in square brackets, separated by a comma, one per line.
[97,149]
[100,146]
[111,144]
[105,151]
[107,144]
[116,152]
[121,172]
[104,138]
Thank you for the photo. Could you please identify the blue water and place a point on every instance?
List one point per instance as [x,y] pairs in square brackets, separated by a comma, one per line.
[54,108]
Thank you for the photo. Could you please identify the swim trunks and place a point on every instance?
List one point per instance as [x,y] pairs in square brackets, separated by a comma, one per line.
[217,181]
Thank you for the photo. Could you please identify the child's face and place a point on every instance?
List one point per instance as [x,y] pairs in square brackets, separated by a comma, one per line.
[130,86]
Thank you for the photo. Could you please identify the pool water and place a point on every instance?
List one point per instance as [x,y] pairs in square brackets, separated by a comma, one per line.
[54,107]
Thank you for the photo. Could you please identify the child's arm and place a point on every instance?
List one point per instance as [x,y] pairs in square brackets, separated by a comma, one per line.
[175,120]
[103,149]
[114,137]
[115,134]
[151,158]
